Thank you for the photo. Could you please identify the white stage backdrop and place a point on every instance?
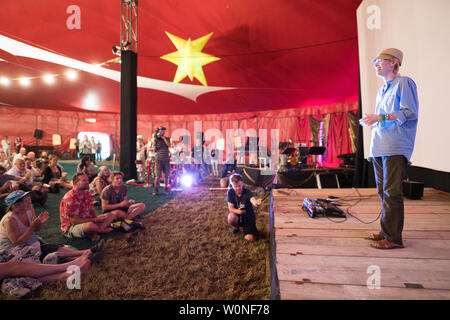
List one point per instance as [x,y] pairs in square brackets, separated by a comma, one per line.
[421,29]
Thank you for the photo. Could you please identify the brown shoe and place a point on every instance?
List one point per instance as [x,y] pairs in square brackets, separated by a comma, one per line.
[375,237]
[385,244]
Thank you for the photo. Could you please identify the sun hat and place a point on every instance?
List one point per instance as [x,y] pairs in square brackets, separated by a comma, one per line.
[390,53]
[15,196]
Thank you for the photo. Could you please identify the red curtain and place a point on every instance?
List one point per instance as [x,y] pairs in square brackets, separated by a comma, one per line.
[338,139]
[304,134]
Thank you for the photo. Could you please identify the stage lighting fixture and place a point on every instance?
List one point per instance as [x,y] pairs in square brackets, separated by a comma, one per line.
[91,101]
[187,180]
[5,81]
[116,50]
[49,78]
[25,82]
[71,74]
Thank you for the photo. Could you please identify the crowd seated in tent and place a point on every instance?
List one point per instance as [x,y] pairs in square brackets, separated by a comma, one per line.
[55,176]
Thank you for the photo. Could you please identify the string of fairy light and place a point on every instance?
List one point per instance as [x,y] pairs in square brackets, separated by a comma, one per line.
[48,78]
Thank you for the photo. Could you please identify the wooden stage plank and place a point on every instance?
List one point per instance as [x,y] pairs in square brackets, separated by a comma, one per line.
[414,248]
[361,233]
[322,259]
[350,270]
[298,222]
[290,290]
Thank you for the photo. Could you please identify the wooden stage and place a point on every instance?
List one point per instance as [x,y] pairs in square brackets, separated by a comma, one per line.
[316,258]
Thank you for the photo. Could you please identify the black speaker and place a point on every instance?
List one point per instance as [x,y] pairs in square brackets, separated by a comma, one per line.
[38,134]
[413,189]
[128,113]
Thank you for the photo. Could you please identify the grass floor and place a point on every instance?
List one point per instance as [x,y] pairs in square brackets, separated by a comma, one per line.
[187,251]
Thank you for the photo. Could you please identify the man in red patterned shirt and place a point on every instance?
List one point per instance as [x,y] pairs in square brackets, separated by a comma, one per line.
[77,213]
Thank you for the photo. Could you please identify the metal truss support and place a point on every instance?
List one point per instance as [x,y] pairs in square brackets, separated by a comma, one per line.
[129,24]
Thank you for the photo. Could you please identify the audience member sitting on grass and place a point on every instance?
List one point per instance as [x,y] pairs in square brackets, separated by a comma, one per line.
[31,155]
[55,176]
[17,233]
[87,167]
[44,156]
[4,161]
[42,165]
[4,177]
[39,192]
[19,170]
[31,166]
[99,183]
[240,206]
[78,216]
[42,272]
[20,277]
[21,155]
[114,199]
[6,187]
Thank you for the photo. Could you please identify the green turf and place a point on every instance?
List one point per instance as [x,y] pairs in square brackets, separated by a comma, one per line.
[51,230]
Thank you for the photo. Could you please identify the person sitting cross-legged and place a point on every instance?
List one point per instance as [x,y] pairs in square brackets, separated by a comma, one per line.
[55,176]
[99,183]
[114,199]
[77,212]
[17,233]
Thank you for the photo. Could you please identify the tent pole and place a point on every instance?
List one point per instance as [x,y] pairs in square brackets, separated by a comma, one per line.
[128,88]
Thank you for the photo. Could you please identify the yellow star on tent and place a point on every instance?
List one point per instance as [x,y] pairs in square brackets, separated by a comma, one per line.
[189,58]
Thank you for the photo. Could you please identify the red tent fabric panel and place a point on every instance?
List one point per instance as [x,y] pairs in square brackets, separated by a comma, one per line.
[304,133]
[291,123]
[14,125]
[338,139]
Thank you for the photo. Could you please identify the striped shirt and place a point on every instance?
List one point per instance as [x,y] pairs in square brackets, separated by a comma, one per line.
[162,150]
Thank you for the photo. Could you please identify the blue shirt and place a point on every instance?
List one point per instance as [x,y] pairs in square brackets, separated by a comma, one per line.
[396,137]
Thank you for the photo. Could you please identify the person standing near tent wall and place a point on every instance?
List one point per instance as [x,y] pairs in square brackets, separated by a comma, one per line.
[6,146]
[394,126]
[85,147]
[161,147]
[99,151]
[93,150]
[18,144]
[140,157]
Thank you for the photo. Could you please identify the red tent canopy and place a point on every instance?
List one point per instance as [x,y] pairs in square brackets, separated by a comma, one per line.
[273,54]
